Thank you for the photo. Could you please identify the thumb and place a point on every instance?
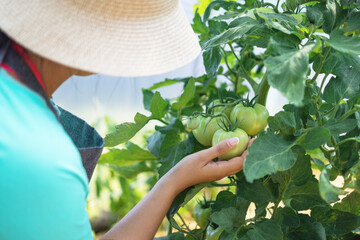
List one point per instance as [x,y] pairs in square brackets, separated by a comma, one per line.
[219,149]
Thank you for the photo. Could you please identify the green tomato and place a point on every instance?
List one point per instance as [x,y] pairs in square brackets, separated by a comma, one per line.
[251,119]
[221,135]
[206,129]
[219,109]
[193,123]
[201,215]
[213,234]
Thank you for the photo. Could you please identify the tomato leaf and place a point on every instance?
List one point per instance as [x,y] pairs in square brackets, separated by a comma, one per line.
[267,229]
[328,191]
[308,229]
[125,131]
[186,96]
[126,156]
[287,216]
[133,170]
[158,106]
[316,137]
[305,196]
[268,154]
[287,73]
[284,23]
[240,26]
[351,203]
[346,44]
[335,221]
[227,218]
[212,60]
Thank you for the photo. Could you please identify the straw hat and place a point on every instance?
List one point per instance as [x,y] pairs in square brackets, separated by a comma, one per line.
[114,37]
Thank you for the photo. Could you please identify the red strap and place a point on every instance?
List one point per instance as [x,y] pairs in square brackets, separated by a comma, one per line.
[28,61]
[9,69]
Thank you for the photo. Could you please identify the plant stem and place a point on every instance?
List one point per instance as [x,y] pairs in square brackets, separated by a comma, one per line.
[226,62]
[252,82]
[183,221]
[348,114]
[262,90]
[322,60]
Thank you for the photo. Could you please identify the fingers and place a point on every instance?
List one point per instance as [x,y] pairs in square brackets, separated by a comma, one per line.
[219,149]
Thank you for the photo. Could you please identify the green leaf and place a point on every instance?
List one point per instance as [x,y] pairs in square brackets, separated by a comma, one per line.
[240,26]
[287,73]
[281,43]
[172,236]
[160,144]
[177,153]
[282,22]
[351,203]
[267,229]
[316,137]
[328,191]
[287,216]
[336,128]
[198,25]
[305,196]
[165,83]
[186,96]
[158,106]
[227,218]
[147,96]
[301,172]
[122,157]
[224,199]
[234,6]
[183,198]
[315,13]
[284,122]
[308,230]
[334,221]
[255,192]
[353,23]
[346,44]
[125,131]
[212,60]
[132,171]
[268,154]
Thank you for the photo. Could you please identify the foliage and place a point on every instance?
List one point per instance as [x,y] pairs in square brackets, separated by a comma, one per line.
[308,50]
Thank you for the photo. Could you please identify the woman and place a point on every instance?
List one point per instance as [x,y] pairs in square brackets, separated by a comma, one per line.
[43,42]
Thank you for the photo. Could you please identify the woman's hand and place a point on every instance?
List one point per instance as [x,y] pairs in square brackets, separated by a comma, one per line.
[200,167]
[193,169]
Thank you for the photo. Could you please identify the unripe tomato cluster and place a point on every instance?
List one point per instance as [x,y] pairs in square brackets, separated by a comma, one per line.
[249,121]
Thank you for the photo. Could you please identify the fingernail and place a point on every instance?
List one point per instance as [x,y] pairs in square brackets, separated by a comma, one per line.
[233,141]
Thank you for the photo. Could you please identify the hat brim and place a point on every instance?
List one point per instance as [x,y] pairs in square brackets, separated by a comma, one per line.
[120,38]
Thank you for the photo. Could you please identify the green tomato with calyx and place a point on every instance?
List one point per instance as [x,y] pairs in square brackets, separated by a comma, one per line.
[201,215]
[252,120]
[206,129]
[221,135]
[193,123]
[213,233]
[227,109]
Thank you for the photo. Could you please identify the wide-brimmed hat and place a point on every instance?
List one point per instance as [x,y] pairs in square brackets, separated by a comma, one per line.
[114,37]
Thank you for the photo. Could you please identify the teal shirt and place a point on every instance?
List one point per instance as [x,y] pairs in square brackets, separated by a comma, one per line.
[43,185]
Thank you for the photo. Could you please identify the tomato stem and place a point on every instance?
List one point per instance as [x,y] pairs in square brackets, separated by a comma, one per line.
[263,90]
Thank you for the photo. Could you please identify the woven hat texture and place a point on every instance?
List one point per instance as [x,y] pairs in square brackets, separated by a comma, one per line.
[114,37]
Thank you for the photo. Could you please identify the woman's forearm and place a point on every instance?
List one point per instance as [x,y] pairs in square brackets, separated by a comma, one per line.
[144,219]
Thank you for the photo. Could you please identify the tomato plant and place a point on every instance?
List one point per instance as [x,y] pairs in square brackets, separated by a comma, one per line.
[309,52]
